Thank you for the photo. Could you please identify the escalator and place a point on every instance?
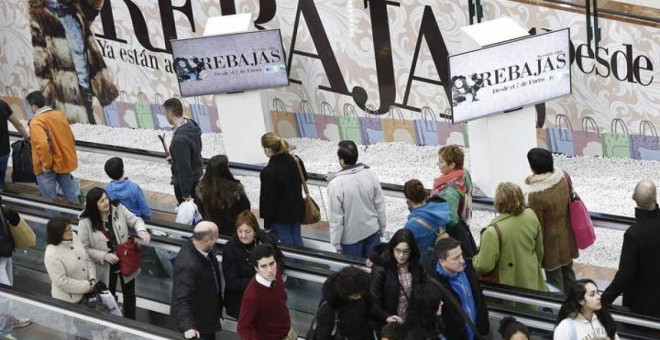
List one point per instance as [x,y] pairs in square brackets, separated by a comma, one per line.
[311,267]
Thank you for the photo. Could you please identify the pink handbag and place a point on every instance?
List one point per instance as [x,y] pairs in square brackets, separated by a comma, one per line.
[583,227]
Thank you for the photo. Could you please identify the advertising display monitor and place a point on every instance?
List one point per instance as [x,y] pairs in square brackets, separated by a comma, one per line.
[229,63]
[510,75]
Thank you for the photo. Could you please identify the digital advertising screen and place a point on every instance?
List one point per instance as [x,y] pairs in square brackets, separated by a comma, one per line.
[510,75]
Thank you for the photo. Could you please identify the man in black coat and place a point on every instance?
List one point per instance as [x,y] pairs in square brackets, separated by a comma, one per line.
[185,151]
[446,265]
[197,287]
[639,268]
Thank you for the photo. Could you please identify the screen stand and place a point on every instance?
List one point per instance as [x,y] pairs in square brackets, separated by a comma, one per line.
[240,114]
[499,143]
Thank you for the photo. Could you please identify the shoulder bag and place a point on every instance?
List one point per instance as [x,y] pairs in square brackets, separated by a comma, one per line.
[494,275]
[583,227]
[311,211]
[311,332]
[129,254]
[22,235]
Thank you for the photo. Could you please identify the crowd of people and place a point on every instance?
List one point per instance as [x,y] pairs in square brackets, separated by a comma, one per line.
[424,282]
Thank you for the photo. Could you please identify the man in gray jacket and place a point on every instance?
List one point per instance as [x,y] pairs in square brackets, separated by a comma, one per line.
[357,206]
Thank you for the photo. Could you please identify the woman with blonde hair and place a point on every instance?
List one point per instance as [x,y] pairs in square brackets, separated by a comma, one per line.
[513,242]
[280,199]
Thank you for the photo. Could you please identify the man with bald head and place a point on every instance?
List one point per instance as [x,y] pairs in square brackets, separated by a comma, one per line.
[639,268]
[197,286]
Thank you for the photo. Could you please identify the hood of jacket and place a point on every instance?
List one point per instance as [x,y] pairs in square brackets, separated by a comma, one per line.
[190,129]
[434,213]
[543,182]
[349,170]
[330,294]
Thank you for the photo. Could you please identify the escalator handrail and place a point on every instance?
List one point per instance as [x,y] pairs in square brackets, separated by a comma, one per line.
[602,220]
[168,227]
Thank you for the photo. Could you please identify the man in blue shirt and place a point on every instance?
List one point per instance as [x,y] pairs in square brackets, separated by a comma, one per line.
[447,266]
[127,192]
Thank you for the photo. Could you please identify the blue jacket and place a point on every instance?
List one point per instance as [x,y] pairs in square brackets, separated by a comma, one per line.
[436,215]
[130,195]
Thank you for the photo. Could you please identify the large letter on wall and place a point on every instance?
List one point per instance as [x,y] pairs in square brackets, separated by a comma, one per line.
[320,39]
[430,32]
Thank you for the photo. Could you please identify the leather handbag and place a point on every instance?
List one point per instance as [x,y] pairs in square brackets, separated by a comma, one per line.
[583,228]
[311,211]
[494,275]
[130,257]
[23,235]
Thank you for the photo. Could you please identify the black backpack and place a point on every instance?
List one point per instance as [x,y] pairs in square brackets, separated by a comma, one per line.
[21,158]
[311,332]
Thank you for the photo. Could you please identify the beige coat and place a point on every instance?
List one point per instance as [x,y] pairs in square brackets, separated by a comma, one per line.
[96,244]
[548,197]
[69,269]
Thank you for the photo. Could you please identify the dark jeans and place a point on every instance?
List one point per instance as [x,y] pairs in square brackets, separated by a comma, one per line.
[362,248]
[3,169]
[289,233]
[128,290]
[562,277]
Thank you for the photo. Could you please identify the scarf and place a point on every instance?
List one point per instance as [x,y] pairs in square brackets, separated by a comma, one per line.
[461,286]
[455,188]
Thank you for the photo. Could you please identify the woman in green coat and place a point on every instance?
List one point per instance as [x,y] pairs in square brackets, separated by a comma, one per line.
[521,252]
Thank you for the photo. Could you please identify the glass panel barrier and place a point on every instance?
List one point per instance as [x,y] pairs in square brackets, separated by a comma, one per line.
[52,319]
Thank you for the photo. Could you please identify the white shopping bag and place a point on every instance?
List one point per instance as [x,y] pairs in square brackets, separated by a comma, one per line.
[109,300]
[188,213]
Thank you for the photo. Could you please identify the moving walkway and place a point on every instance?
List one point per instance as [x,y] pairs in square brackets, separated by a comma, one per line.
[311,267]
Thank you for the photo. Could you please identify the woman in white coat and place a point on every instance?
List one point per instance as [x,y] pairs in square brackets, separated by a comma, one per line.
[101,228]
[72,273]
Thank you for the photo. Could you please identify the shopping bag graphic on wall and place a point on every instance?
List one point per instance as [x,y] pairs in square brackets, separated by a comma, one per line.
[284,122]
[200,114]
[646,145]
[306,121]
[349,125]
[617,142]
[450,133]
[560,140]
[15,103]
[326,124]
[426,129]
[397,129]
[158,113]
[371,127]
[125,111]
[585,142]
[145,119]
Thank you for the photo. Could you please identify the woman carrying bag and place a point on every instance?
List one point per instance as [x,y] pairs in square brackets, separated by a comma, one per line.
[103,228]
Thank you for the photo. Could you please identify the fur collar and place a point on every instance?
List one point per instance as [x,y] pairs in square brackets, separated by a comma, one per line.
[543,182]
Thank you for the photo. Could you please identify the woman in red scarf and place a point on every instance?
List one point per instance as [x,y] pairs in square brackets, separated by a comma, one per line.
[454,185]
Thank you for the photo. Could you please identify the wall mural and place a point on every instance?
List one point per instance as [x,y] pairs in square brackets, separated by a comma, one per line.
[368,74]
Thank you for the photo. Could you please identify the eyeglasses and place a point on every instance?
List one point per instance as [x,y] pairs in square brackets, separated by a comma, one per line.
[402,251]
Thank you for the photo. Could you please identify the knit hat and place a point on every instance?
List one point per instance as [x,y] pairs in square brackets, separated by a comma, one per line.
[114,168]
[540,160]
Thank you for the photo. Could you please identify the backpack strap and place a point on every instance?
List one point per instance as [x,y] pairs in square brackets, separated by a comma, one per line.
[425,225]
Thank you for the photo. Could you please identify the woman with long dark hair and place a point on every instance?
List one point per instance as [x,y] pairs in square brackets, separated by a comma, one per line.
[280,199]
[582,315]
[101,228]
[394,274]
[220,196]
